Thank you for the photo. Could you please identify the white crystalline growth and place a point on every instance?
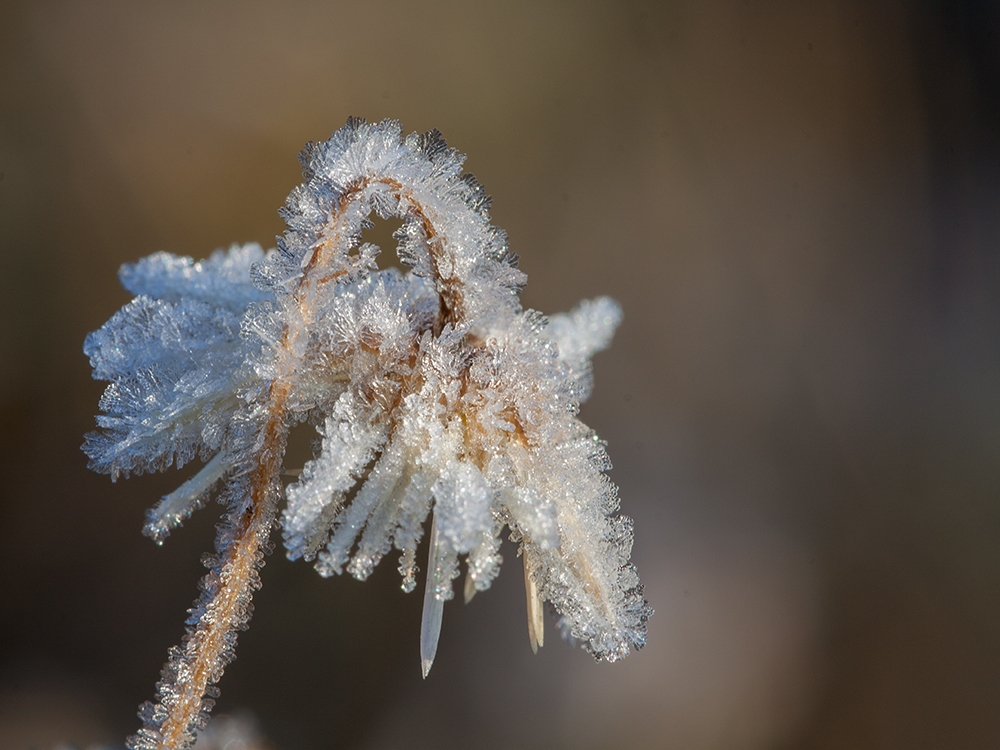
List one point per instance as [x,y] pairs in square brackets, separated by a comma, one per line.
[433,392]
[175,359]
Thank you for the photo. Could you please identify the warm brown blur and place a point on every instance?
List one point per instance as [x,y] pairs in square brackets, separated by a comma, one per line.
[798,205]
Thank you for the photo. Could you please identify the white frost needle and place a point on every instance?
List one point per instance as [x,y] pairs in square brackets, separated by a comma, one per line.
[433,391]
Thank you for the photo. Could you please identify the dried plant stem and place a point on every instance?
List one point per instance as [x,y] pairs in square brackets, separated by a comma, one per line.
[449,289]
[205,649]
[228,588]
[433,391]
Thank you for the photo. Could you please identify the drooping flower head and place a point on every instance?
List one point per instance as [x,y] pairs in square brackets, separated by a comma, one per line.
[434,393]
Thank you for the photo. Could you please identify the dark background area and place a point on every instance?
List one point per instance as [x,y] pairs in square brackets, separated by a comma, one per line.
[798,206]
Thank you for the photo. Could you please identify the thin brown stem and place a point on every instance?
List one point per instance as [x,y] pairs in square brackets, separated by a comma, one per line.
[449,289]
[209,644]
[205,650]
[228,590]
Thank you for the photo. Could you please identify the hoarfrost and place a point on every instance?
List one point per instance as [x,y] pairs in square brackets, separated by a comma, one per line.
[434,393]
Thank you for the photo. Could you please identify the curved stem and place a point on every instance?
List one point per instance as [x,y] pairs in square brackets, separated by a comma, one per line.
[332,252]
[224,606]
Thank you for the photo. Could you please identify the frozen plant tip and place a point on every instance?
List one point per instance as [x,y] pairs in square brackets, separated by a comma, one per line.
[434,394]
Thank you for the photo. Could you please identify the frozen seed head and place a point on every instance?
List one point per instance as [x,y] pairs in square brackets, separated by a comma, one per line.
[433,392]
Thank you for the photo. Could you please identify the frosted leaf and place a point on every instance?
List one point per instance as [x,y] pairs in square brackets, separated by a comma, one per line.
[433,393]
[180,503]
[383,519]
[378,488]
[221,280]
[175,369]
[462,505]
[348,445]
[586,330]
[409,528]
[484,560]
[535,515]
[580,334]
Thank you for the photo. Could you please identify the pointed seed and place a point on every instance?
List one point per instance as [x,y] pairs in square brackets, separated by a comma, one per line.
[430,622]
[470,587]
[536,614]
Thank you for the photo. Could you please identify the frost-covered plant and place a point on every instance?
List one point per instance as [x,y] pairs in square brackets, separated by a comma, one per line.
[433,391]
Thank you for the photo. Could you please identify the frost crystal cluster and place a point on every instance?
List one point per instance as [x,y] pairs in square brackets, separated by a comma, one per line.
[433,392]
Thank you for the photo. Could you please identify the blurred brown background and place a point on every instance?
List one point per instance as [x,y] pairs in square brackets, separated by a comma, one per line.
[796,204]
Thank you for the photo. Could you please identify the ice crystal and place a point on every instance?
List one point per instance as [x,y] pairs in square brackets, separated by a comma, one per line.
[433,392]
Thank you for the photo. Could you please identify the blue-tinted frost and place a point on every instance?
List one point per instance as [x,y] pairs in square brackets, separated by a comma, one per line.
[433,393]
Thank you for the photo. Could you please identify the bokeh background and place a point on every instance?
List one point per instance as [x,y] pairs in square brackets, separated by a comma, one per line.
[798,205]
